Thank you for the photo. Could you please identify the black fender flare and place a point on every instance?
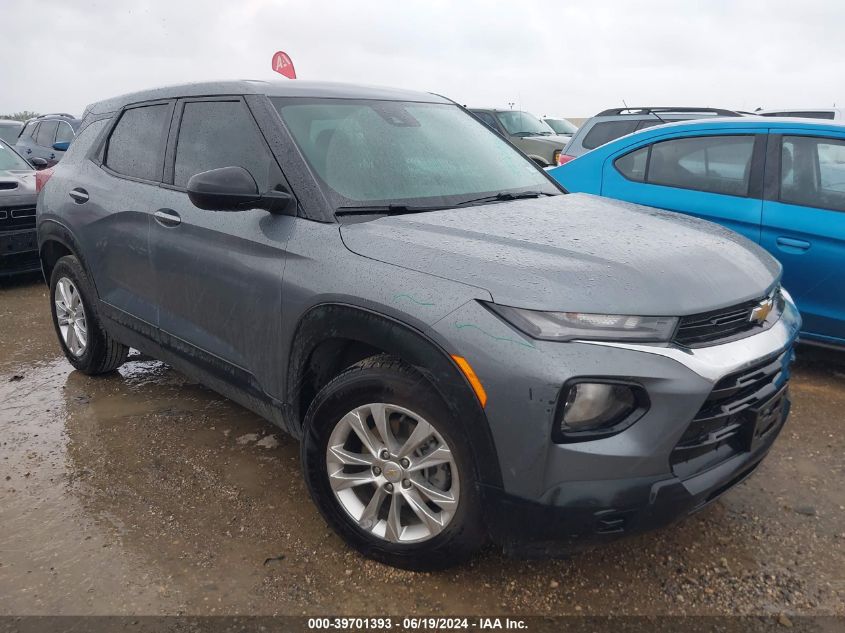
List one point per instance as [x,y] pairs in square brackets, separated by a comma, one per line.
[342,321]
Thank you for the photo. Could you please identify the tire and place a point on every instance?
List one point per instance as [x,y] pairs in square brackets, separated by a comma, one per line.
[411,401]
[69,286]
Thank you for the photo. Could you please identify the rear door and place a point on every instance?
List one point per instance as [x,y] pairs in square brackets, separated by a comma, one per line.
[219,274]
[804,225]
[117,197]
[44,139]
[717,177]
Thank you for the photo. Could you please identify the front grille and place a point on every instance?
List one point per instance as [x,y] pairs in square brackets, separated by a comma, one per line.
[722,427]
[15,218]
[719,326]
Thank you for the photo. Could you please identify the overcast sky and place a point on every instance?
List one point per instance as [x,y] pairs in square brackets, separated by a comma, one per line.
[567,58]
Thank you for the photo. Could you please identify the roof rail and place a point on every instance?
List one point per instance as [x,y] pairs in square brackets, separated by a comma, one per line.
[663,110]
[61,114]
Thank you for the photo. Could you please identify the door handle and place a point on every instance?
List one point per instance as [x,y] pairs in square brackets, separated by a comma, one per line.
[167,217]
[52,156]
[29,150]
[790,244]
[79,195]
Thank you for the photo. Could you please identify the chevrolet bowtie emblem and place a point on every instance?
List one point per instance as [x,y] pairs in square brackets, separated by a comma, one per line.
[761,312]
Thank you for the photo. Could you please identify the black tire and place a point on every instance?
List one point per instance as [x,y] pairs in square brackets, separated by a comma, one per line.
[389,380]
[102,353]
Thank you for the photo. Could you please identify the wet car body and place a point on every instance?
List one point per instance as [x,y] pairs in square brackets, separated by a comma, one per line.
[18,242]
[273,306]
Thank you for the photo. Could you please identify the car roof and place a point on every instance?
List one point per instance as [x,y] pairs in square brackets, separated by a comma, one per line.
[286,88]
[825,109]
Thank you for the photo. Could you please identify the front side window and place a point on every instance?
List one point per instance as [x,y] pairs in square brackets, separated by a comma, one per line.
[46,133]
[518,123]
[29,130]
[606,131]
[813,172]
[716,164]
[367,151]
[216,134]
[136,145]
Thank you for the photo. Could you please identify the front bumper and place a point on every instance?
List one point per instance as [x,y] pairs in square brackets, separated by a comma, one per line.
[628,482]
[19,252]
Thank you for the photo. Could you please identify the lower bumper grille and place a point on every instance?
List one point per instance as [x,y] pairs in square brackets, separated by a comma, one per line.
[725,424]
[16,218]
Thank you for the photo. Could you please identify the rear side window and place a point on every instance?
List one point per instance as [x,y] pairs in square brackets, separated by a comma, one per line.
[46,133]
[216,134]
[64,133]
[808,114]
[606,131]
[136,145]
[717,164]
[813,172]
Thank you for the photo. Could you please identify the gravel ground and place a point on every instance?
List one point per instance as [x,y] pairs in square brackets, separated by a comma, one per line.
[145,493]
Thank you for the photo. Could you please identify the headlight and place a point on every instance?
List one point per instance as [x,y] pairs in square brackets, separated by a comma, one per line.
[566,326]
[591,410]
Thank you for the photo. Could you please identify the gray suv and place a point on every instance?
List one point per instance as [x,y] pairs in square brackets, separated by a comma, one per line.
[465,352]
[534,137]
[612,124]
[47,137]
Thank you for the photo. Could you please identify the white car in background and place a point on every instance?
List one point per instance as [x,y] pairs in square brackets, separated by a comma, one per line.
[831,114]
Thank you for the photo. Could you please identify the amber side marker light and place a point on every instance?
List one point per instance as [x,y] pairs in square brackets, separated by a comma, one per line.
[473,379]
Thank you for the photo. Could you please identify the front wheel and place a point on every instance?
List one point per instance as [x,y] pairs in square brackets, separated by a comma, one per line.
[387,465]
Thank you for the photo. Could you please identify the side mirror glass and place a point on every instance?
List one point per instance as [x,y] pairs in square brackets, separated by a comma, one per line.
[234,189]
[38,163]
[62,146]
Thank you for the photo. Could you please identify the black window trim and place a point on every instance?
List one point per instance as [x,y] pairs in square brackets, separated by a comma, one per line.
[176,128]
[755,175]
[102,150]
[774,157]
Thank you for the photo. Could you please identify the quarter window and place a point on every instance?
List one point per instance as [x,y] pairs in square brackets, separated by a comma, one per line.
[46,133]
[216,134]
[64,133]
[633,165]
[813,172]
[136,145]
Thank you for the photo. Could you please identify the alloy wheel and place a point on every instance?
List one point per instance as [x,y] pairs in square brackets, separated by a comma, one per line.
[393,473]
[70,315]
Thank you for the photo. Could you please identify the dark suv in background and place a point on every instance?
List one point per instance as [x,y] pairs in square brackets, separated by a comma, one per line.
[464,351]
[47,136]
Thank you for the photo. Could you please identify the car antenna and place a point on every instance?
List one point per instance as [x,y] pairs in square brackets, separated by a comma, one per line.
[659,118]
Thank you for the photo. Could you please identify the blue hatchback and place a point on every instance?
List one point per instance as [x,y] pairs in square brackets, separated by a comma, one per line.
[778,182]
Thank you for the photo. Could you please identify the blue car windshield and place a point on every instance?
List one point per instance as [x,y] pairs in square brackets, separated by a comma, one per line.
[368,152]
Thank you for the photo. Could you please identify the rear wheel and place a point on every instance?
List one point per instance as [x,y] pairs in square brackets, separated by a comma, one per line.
[86,345]
[389,469]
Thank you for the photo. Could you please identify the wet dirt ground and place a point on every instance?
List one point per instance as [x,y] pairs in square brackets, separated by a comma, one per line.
[145,493]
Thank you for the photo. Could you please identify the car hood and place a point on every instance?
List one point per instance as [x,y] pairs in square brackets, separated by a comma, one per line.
[16,182]
[575,252]
[555,140]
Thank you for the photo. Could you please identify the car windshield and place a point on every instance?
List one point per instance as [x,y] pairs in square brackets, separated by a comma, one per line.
[518,123]
[371,152]
[10,161]
[9,131]
[561,126]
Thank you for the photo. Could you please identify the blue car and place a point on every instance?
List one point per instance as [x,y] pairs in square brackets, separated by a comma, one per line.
[780,183]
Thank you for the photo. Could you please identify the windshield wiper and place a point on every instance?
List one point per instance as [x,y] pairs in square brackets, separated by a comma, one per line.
[387,209]
[503,196]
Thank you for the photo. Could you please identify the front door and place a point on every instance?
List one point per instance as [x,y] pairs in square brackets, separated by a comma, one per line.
[218,274]
[804,226]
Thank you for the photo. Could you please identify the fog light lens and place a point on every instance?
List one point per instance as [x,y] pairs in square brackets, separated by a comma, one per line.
[592,405]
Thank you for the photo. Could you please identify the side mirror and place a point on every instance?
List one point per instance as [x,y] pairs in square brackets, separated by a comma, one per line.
[38,163]
[62,146]
[234,189]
